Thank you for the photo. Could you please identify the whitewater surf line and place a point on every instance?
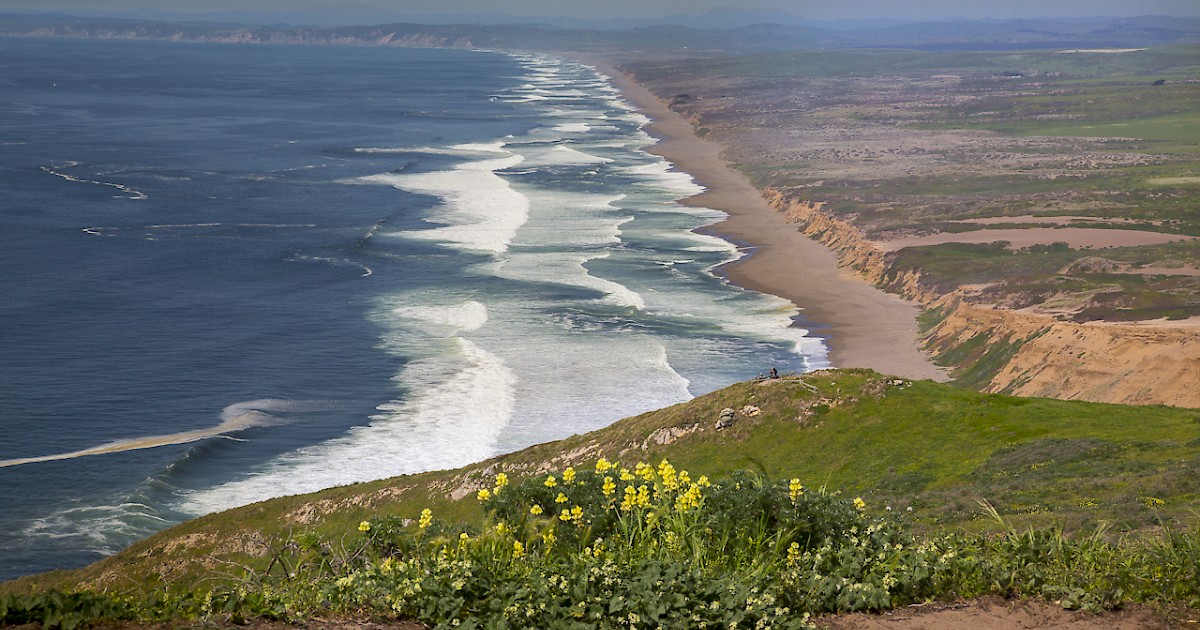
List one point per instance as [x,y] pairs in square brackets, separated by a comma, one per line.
[235,417]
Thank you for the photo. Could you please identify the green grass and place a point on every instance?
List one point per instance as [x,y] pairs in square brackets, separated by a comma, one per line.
[1176,62]
[645,546]
[920,444]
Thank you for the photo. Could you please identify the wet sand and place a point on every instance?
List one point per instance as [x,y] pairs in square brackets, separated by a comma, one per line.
[863,326]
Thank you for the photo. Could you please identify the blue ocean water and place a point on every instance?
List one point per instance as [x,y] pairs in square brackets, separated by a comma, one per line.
[376,261]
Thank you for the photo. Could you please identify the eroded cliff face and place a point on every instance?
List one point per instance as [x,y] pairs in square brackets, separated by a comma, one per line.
[1034,355]
[1027,354]
[853,251]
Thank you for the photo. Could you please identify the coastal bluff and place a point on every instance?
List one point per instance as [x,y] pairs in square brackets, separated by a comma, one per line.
[1010,351]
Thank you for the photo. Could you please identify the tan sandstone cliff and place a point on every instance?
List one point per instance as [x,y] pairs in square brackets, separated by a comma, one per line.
[1026,354]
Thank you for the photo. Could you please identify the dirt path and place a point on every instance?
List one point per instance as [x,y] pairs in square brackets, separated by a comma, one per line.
[1000,614]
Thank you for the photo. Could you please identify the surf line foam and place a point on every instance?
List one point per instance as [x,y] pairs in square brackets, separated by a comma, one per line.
[235,417]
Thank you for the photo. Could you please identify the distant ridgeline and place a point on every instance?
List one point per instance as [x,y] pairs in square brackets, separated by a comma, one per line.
[1014,34]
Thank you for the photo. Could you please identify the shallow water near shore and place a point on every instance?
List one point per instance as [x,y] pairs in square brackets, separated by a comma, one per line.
[329,265]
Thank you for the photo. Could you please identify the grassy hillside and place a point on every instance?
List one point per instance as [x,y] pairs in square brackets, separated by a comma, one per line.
[897,444]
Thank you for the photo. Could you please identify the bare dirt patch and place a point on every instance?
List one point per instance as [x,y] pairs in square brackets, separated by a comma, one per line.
[1076,238]
[998,614]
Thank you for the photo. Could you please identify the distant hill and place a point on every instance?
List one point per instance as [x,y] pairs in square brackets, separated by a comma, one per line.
[715,32]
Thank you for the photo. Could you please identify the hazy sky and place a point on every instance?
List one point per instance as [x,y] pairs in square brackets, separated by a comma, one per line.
[602,9]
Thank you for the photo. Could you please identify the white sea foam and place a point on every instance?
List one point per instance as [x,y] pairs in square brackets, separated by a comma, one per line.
[337,262]
[467,149]
[235,417]
[129,192]
[567,269]
[445,320]
[460,404]
[659,174]
[480,211]
[560,155]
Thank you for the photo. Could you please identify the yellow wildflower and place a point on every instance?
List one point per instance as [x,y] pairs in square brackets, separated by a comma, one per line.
[609,486]
[795,489]
[603,465]
[569,475]
[501,481]
[577,515]
[535,510]
[667,472]
[561,498]
[550,482]
[426,518]
[501,528]
[703,482]
[626,475]
[364,526]
[793,553]
[645,471]
[689,499]
[859,504]
[484,494]
[630,499]
[463,537]
[565,515]
[518,549]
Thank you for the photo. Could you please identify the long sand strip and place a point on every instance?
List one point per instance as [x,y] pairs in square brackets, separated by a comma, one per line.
[863,326]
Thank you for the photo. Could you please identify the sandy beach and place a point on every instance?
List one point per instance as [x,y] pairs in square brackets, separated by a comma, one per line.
[862,325]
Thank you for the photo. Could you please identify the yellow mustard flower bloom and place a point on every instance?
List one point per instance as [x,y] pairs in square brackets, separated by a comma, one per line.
[630,499]
[795,489]
[518,549]
[859,504]
[625,475]
[364,526]
[535,510]
[501,528]
[569,475]
[501,480]
[603,466]
[426,518]
[667,472]
[550,482]
[561,498]
[645,471]
[484,494]
[609,486]
[643,496]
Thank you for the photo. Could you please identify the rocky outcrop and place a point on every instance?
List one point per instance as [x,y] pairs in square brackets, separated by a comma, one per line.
[1021,353]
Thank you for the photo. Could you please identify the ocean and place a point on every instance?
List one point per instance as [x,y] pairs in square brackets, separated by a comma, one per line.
[259,271]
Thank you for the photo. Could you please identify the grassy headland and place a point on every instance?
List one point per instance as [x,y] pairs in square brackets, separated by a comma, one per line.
[943,452]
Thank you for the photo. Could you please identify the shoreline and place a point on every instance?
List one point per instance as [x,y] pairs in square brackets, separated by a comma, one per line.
[862,326]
